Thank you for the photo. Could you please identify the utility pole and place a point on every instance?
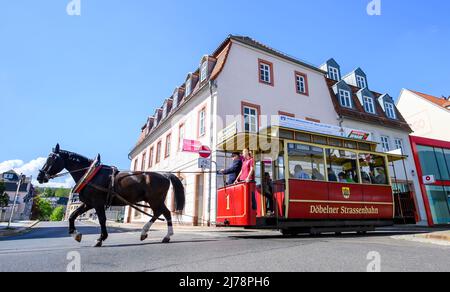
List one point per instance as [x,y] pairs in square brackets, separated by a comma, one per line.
[19,184]
[212,86]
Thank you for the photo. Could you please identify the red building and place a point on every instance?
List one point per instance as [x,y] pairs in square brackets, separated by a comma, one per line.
[432,158]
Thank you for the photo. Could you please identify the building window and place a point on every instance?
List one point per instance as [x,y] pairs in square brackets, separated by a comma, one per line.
[151,157]
[361,82]
[135,167]
[158,152]
[251,117]
[385,143]
[144,158]
[181,135]
[399,145]
[390,110]
[188,88]
[266,72]
[301,82]
[202,123]
[435,161]
[333,73]
[345,98]
[369,105]
[168,145]
[204,71]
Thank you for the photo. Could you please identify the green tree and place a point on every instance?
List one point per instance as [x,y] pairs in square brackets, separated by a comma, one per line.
[43,209]
[49,193]
[4,197]
[57,214]
[62,193]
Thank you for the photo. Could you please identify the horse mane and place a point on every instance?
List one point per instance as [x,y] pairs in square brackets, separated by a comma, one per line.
[75,156]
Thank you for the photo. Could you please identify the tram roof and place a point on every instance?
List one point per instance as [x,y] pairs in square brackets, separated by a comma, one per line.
[252,141]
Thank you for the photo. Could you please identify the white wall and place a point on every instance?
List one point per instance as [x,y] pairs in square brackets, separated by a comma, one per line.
[239,81]
[426,118]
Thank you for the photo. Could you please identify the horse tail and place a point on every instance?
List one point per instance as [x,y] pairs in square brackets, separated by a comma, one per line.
[180,197]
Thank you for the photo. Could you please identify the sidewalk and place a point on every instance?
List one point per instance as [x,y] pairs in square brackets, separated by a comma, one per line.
[16,228]
[438,238]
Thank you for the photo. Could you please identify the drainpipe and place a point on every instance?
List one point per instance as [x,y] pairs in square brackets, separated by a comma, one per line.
[212,87]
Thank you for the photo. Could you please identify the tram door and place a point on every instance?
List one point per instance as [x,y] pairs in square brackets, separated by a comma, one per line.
[267,176]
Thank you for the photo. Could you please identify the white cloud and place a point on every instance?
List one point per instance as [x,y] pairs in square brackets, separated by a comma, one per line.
[32,169]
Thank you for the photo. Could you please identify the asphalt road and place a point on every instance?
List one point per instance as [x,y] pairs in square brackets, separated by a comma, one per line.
[46,248]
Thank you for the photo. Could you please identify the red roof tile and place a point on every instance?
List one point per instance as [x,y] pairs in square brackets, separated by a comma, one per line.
[436,100]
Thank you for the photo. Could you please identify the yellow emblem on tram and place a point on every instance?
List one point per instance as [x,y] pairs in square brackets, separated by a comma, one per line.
[346,193]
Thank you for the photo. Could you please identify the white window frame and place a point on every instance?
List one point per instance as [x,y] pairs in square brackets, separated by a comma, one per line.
[188,88]
[399,144]
[333,73]
[204,71]
[345,98]
[202,123]
[175,100]
[385,143]
[265,73]
[181,135]
[361,81]
[390,110]
[301,83]
[251,119]
[369,104]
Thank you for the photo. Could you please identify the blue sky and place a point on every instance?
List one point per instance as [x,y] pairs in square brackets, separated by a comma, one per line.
[89,82]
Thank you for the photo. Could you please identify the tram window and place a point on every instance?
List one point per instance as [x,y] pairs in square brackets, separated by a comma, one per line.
[280,167]
[342,166]
[373,169]
[303,137]
[320,140]
[364,146]
[287,134]
[335,142]
[306,162]
[351,145]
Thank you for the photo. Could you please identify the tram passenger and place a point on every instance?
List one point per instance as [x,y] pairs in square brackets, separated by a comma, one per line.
[299,173]
[316,175]
[268,193]
[247,173]
[235,169]
[342,178]
[332,175]
[380,179]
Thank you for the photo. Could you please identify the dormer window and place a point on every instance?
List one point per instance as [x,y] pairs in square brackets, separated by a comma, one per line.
[333,73]
[188,88]
[369,105]
[164,111]
[175,99]
[204,71]
[361,81]
[390,110]
[345,98]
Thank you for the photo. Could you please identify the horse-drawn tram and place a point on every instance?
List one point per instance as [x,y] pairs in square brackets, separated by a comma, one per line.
[330,180]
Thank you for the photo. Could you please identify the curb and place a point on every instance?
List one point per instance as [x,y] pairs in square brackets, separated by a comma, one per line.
[443,237]
[19,231]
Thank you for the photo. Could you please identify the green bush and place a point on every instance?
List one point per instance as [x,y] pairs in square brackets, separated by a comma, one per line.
[57,214]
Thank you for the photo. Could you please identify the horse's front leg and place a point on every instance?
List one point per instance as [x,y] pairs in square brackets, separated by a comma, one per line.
[101,214]
[146,229]
[78,212]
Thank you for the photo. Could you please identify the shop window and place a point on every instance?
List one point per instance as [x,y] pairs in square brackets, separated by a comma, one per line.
[306,162]
[433,162]
[373,169]
[342,166]
[439,203]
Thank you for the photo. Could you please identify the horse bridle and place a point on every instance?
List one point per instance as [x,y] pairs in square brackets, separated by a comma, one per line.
[50,177]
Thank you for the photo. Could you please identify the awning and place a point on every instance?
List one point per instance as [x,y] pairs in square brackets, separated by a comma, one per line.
[396,157]
[254,142]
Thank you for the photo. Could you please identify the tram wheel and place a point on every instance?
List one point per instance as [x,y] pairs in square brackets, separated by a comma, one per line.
[287,232]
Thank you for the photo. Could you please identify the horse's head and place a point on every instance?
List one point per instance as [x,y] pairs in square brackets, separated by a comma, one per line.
[54,165]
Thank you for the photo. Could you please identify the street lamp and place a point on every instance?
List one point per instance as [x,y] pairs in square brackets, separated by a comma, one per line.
[19,184]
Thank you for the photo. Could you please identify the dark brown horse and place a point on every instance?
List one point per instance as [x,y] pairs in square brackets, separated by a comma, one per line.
[134,187]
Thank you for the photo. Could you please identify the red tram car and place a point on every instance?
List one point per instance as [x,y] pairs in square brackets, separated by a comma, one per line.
[317,183]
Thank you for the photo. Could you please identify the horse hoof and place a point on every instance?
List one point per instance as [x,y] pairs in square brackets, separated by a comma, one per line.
[99,243]
[78,237]
[166,240]
[144,237]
